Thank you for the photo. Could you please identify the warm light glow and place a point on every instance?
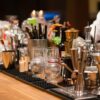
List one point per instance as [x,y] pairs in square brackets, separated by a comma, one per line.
[40,14]
[33,14]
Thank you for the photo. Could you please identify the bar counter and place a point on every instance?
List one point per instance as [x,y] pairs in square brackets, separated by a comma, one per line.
[12,89]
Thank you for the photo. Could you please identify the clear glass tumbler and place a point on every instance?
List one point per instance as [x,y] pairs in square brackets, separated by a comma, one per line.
[37,62]
[52,68]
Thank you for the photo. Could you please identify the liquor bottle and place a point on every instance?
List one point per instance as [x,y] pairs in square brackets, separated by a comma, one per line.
[62,44]
[59,41]
[66,25]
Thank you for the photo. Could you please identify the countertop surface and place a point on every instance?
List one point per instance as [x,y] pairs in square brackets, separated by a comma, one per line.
[12,89]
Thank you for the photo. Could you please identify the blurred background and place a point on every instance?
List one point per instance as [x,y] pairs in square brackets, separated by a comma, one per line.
[78,12]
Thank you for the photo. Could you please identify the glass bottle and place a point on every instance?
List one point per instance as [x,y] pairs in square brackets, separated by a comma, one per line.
[62,44]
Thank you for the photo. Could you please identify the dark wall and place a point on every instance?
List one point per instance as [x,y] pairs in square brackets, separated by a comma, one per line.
[8,7]
[23,8]
[75,11]
[54,5]
[78,12]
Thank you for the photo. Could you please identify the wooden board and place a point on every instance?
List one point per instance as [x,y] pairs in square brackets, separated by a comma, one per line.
[12,89]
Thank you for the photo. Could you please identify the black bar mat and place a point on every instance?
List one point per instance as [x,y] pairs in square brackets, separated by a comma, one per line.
[42,84]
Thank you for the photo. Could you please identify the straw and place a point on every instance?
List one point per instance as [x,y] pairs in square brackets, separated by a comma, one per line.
[66,66]
[3,45]
[94,37]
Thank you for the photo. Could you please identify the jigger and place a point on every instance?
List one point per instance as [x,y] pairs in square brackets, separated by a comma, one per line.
[74,57]
[77,60]
[84,55]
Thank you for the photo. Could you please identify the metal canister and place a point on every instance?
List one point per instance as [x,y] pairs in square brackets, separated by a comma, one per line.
[71,34]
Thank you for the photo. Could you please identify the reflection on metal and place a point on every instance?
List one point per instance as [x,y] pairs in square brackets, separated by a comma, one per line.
[71,34]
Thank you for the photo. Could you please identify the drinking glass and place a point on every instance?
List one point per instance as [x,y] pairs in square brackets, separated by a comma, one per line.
[36,43]
[52,68]
[37,62]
